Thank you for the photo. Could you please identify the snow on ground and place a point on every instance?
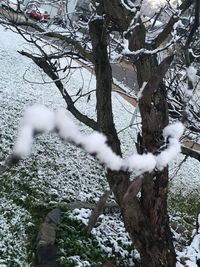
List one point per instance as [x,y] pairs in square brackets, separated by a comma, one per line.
[56,172]
[149,7]
[186,180]
[12,234]
[115,235]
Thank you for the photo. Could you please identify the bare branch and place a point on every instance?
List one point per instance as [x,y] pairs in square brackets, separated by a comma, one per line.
[155,80]
[168,28]
[70,41]
[43,64]
[101,205]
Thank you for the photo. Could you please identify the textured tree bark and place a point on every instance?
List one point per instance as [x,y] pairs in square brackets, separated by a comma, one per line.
[104,83]
[157,249]
[145,219]
[118,181]
[150,230]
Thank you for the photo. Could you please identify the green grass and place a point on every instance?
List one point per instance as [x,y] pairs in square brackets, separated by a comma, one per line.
[72,240]
[185,208]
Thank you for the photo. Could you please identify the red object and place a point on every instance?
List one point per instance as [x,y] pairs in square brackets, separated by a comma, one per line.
[39,14]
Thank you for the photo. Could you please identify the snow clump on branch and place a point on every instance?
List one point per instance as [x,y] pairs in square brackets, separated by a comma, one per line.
[39,119]
[191,74]
[22,147]
[174,130]
[66,128]
[173,133]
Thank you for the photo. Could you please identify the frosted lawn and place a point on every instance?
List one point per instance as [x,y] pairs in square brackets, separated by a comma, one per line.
[55,172]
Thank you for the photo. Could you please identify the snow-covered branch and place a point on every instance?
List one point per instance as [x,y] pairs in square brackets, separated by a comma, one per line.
[39,119]
[143,51]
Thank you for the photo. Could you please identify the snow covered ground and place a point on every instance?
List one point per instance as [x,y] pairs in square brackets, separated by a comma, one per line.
[57,172]
[149,7]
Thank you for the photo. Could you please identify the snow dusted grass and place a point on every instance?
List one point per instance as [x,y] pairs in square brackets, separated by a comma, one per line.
[87,249]
[116,243]
[12,235]
[58,173]
[184,190]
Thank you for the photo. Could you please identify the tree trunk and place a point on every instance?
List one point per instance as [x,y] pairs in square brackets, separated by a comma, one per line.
[147,222]
[157,249]
[118,181]
[145,219]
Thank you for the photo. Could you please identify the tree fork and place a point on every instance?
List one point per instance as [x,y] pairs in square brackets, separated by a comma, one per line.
[149,229]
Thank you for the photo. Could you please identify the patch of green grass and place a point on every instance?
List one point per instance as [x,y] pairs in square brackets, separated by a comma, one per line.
[185,208]
[72,240]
